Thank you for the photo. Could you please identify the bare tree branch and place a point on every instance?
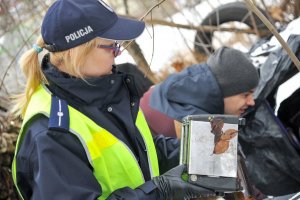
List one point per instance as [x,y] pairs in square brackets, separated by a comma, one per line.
[13,60]
[150,10]
[203,28]
[291,54]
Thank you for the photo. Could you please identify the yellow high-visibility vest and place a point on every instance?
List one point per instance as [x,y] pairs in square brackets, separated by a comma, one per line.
[114,164]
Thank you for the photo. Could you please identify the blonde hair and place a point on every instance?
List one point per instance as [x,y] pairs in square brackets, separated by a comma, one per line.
[72,60]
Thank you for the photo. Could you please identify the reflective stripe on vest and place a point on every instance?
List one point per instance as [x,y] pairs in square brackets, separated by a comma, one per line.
[114,164]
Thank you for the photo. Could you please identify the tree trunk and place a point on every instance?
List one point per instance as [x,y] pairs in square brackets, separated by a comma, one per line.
[136,53]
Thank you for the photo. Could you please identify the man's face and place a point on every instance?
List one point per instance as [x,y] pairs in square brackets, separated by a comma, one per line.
[237,104]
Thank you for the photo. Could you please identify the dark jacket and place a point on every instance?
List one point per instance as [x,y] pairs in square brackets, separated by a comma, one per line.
[191,91]
[157,121]
[53,164]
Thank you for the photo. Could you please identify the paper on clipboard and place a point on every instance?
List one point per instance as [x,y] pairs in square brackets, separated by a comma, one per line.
[203,160]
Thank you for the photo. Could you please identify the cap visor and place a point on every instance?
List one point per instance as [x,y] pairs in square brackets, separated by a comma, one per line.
[124,29]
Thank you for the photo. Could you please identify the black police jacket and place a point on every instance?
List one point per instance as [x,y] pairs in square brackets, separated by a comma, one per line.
[53,164]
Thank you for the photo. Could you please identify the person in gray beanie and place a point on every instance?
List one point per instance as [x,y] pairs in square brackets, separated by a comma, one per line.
[223,85]
[233,71]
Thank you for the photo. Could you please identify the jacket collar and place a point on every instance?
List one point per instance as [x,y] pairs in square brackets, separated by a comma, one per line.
[91,91]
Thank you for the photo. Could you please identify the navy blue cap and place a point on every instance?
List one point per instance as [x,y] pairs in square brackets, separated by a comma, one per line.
[69,23]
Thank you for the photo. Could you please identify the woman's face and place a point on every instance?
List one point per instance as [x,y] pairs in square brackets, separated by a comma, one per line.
[100,60]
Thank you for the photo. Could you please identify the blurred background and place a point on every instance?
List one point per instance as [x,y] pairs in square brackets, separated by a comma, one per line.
[179,33]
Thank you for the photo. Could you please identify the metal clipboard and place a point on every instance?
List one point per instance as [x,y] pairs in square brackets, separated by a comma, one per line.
[207,167]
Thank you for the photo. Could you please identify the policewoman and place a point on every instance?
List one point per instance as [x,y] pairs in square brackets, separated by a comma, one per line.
[83,135]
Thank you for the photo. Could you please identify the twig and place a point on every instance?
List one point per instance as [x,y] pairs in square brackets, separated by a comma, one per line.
[204,28]
[150,10]
[291,54]
[179,30]
[153,46]
[253,21]
[13,60]
[267,11]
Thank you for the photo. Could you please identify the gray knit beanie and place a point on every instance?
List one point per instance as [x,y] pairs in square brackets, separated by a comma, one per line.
[233,70]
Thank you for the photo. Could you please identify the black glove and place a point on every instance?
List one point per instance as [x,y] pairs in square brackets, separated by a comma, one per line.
[172,186]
